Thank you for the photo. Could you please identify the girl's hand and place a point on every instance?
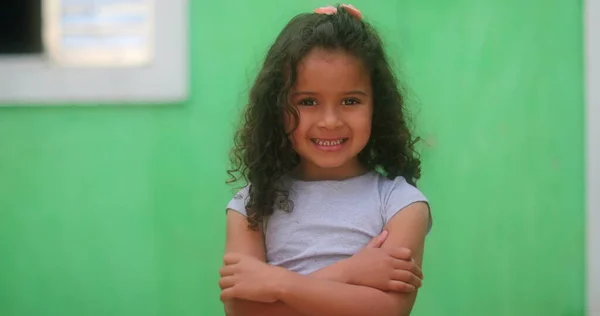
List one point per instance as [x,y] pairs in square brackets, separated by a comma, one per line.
[245,277]
[384,269]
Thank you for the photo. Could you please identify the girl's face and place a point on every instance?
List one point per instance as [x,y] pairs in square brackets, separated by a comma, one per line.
[333,96]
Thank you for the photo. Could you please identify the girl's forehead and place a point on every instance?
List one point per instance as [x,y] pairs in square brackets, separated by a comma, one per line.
[325,68]
[319,57]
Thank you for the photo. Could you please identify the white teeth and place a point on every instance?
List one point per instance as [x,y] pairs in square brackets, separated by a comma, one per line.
[328,142]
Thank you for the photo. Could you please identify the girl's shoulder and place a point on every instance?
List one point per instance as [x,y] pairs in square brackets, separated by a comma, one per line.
[396,194]
[239,200]
[393,194]
[395,186]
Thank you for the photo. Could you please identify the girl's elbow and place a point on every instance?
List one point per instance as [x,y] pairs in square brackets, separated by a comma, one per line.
[396,312]
[236,308]
[397,306]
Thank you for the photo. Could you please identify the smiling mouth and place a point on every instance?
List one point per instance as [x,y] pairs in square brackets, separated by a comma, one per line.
[329,142]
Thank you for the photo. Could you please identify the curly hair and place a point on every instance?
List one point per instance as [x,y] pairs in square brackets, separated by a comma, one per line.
[262,151]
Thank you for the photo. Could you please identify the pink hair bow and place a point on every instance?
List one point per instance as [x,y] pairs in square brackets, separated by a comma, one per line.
[331,10]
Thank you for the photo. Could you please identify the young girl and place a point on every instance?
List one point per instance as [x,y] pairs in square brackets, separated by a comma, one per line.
[330,222]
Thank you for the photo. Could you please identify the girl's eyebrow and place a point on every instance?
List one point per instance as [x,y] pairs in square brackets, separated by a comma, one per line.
[304,93]
[357,92]
[311,93]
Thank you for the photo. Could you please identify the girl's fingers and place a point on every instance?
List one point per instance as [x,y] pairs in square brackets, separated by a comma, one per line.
[378,240]
[402,287]
[226,282]
[410,266]
[407,277]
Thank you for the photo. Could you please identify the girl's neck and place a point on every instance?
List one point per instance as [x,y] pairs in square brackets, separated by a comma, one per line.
[307,171]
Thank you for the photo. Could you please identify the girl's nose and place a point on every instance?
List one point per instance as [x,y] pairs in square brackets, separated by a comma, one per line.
[330,118]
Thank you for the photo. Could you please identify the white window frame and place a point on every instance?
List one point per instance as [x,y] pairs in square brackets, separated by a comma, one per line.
[32,80]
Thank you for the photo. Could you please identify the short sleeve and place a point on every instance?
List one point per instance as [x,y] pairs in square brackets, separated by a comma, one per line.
[239,201]
[401,194]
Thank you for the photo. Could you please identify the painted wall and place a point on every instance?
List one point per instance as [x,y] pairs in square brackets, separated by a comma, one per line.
[501,92]
[119,211]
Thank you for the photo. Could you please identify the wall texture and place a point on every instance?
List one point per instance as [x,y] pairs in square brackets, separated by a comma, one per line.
[119,211]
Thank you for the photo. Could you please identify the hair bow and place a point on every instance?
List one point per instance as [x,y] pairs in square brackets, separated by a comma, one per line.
[331,10]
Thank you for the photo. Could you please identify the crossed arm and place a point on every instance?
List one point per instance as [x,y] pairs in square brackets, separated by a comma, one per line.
[325,292]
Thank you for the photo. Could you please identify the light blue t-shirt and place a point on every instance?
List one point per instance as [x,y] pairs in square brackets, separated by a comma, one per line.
[330,220]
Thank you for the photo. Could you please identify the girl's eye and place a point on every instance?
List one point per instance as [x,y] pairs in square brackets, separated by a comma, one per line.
[350,102]
[308,102]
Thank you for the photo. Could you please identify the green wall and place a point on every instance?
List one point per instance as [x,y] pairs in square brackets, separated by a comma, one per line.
[112,211]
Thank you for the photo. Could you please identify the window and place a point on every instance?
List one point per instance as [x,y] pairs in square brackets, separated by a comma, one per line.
[21,27]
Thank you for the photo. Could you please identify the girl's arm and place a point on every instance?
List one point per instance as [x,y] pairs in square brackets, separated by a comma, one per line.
[240,239]
[310,296]
[316,297]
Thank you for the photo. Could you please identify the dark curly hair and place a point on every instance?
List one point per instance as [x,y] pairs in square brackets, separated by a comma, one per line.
[262,152]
